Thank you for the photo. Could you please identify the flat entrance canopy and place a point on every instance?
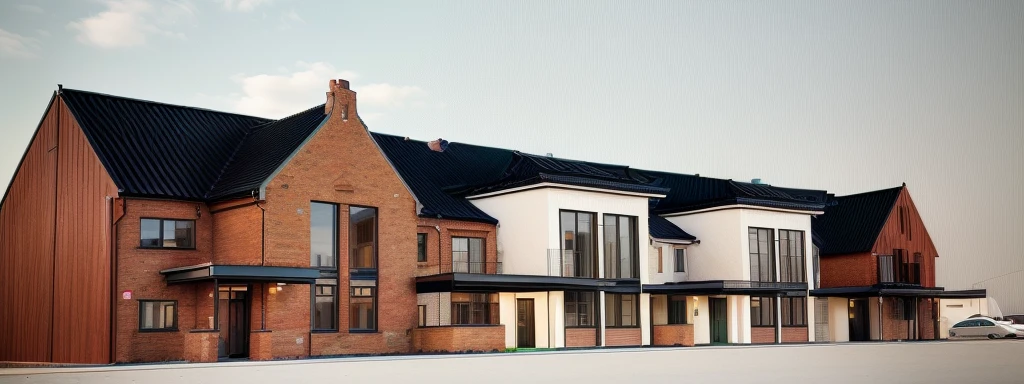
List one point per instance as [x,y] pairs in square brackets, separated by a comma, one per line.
[479,282]
[728,287]
[898,290]
[240,273]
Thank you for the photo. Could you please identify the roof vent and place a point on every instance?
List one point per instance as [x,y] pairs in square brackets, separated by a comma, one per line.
[438,145]
[756,181]
[549,155]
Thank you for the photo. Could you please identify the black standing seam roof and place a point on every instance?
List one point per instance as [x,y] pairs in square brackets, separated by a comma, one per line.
[853,224]
[660,228]
[691,192]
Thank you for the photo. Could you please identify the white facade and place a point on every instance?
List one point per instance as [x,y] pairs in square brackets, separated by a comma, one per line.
[952,311]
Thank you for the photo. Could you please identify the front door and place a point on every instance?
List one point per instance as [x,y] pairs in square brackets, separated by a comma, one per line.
[719,323]
[234,321]
[524,324]
[860,325]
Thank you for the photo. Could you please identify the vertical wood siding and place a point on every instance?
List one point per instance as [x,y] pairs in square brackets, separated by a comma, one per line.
[914,237]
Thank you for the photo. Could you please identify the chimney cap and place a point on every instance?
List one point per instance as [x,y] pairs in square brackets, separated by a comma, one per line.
[339,83]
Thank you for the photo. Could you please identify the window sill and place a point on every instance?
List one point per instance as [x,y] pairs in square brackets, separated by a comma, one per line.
[163,330]
[762,326]
[623,327]
[363,331]
[795,326]
[166,248]
[581,327]
[315,331]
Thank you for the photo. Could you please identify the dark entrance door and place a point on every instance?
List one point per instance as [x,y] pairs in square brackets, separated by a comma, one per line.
[859,322]
[524,324]
[719,323]
[234,322]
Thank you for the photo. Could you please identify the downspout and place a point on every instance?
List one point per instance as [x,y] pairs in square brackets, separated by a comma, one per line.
[112,239]
[881,332]
[263,259]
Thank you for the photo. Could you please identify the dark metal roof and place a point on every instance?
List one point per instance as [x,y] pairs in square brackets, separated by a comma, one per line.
[240,273]
[898,290]
[263,150]
[479,282]
[853,223]
[692,192]
[526,169]
[158,150]
[729,287]
[661,228]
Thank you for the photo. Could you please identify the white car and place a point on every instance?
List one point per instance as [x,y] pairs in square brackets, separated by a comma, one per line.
[984,327]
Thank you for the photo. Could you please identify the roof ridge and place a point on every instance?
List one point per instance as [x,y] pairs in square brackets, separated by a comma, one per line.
[165,104]
[858,194]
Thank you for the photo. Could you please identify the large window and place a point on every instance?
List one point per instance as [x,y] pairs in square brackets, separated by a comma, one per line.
[762,254]
[474,308]
[362,309]
[362,232]
[791,256]
[579,309]
[677,309]
[468,255]
[164,233]
[621,254]
[158,315]
[762,311]
[621,310]
[680,260]
[794,311]
[421,247]
[325,308]
[323,235]
[579,244]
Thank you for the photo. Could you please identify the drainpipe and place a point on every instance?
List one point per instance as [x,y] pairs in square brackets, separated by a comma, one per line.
[778,318]
[881,332]
[263,259]
[112,238]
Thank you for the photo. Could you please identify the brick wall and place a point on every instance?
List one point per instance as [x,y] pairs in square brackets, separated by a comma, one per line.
[200,346]
[615,337]
[674,334]
[580,337]
[237,234]
[852,270]
[261,345]
[459,339]
[762,335]
[895,329]
[794,334]
[449,229]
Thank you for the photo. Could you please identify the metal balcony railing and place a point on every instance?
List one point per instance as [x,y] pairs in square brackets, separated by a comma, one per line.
[742,284]
[485,267]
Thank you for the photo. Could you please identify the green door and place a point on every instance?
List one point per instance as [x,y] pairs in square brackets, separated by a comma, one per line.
[719,325]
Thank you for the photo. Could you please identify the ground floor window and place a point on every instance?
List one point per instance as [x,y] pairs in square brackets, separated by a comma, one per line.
[474,308]
[762,311]
[422,309]
[579,309]
[362,308]
[677,309]
[325,308]
[794,311]
[155,315]
[621,310]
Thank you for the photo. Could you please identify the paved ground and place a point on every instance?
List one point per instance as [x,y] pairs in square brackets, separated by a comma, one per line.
[962,362]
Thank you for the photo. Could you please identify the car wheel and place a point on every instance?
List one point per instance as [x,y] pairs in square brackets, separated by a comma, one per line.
[1011,336]
[952,334]
[992,336]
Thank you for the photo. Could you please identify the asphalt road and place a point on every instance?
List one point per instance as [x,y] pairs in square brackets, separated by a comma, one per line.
[986,361]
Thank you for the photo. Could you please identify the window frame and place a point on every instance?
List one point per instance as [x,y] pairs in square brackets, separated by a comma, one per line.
[336,319]
[337,238]
[669,299]
[490,305]
[374,293]
[679,267]
[376,238]
[173,328]
[421,247]
[595,246]
[771,307]
[161,232]
[635,237]
[469,254]
[576,303]
[784,274]
[609,298]
[772,254]
[789,302]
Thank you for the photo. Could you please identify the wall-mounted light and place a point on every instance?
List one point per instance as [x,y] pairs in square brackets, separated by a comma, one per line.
[199,212]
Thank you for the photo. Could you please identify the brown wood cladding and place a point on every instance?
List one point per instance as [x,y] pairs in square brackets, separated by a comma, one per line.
[55,256]
[914,237]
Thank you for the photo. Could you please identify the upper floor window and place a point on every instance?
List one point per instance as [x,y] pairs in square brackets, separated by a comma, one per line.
[166,233]
[362,237]
[816,258]
[762,254]
[791,256]
[579,309]
[677,309]
[621,310]
[579,243]
[468,255]
[621,250]
[158,315]
[421,247]
[323,235]
[680,260]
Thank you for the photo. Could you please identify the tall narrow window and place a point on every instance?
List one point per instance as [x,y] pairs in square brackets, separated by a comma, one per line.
[421,247]
[422,310]
[762,311]
[794,311]
[762,254]
[468,255]
[816,259]
[325,308]
[362,308]
[886,272]
[362,229]
[578,244]
[161,233]
[902,222]
[680,260]
[677,309]
[621,310]
[621,250]
[323,235]
[791,256]
[579,309]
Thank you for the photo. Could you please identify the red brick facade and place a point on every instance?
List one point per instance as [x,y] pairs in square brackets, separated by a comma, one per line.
[762,335]
[673,334]
[489,338]
[794,334]
[449,229]
[854,270]
[896,329]
[619,337]
[580,337]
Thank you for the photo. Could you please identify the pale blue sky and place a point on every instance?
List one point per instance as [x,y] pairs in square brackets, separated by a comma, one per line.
[845,96]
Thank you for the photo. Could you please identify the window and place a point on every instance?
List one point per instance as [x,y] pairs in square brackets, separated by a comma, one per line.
[660,260]
[468,255]
[909,267]
[474,308]
[421,247]
[579,309]
[323,235]
[762,254]
[325,308]
[677,309]
[885,269]
[762,311]
[158,315]
[621,254]
[579,244]
[362,308]
[362,232]
[422,309]
[794,311]
[816,261]
[163,233]
[791,256]
[903,309]
[621,310]
[680,260]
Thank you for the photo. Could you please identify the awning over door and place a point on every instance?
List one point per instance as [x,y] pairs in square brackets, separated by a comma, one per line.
[898,290]
[240,273]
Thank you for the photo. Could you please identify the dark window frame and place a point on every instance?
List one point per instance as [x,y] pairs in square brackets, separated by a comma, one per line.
[785,274]
[680,262]
[635,239]
[374,293]
[759,321]
[772,256]
[421,247]
[674,311]
[335,318]
[469,254]
[173,328]
[595,246]
[615,321]
[161,233]
[376,238]
[575,298]
[337,237]
[790,303]
[488,308]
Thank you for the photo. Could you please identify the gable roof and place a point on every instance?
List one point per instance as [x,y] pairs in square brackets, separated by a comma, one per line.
[692,192]
[662,229]
[853,224]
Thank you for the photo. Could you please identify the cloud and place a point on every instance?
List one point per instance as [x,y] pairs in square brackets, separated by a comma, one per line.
[30,8]
[243,5]
[128,23]
[289,18]
[387,95]
[43,32]
[15,45]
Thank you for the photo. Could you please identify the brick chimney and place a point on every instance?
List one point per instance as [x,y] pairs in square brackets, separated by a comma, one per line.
[341,101]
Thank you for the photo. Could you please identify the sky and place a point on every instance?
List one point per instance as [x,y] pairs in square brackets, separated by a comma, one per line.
[843,96]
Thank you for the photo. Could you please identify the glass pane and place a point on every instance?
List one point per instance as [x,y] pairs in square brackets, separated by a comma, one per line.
[421,247]
[184,233]
[626,247]
[323,232]
[611,303]
[611,251]
[460,254]
[168,235]
[584,260]
[476,255]
[361,307]
[363,237]
[150,233]
[568,224]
